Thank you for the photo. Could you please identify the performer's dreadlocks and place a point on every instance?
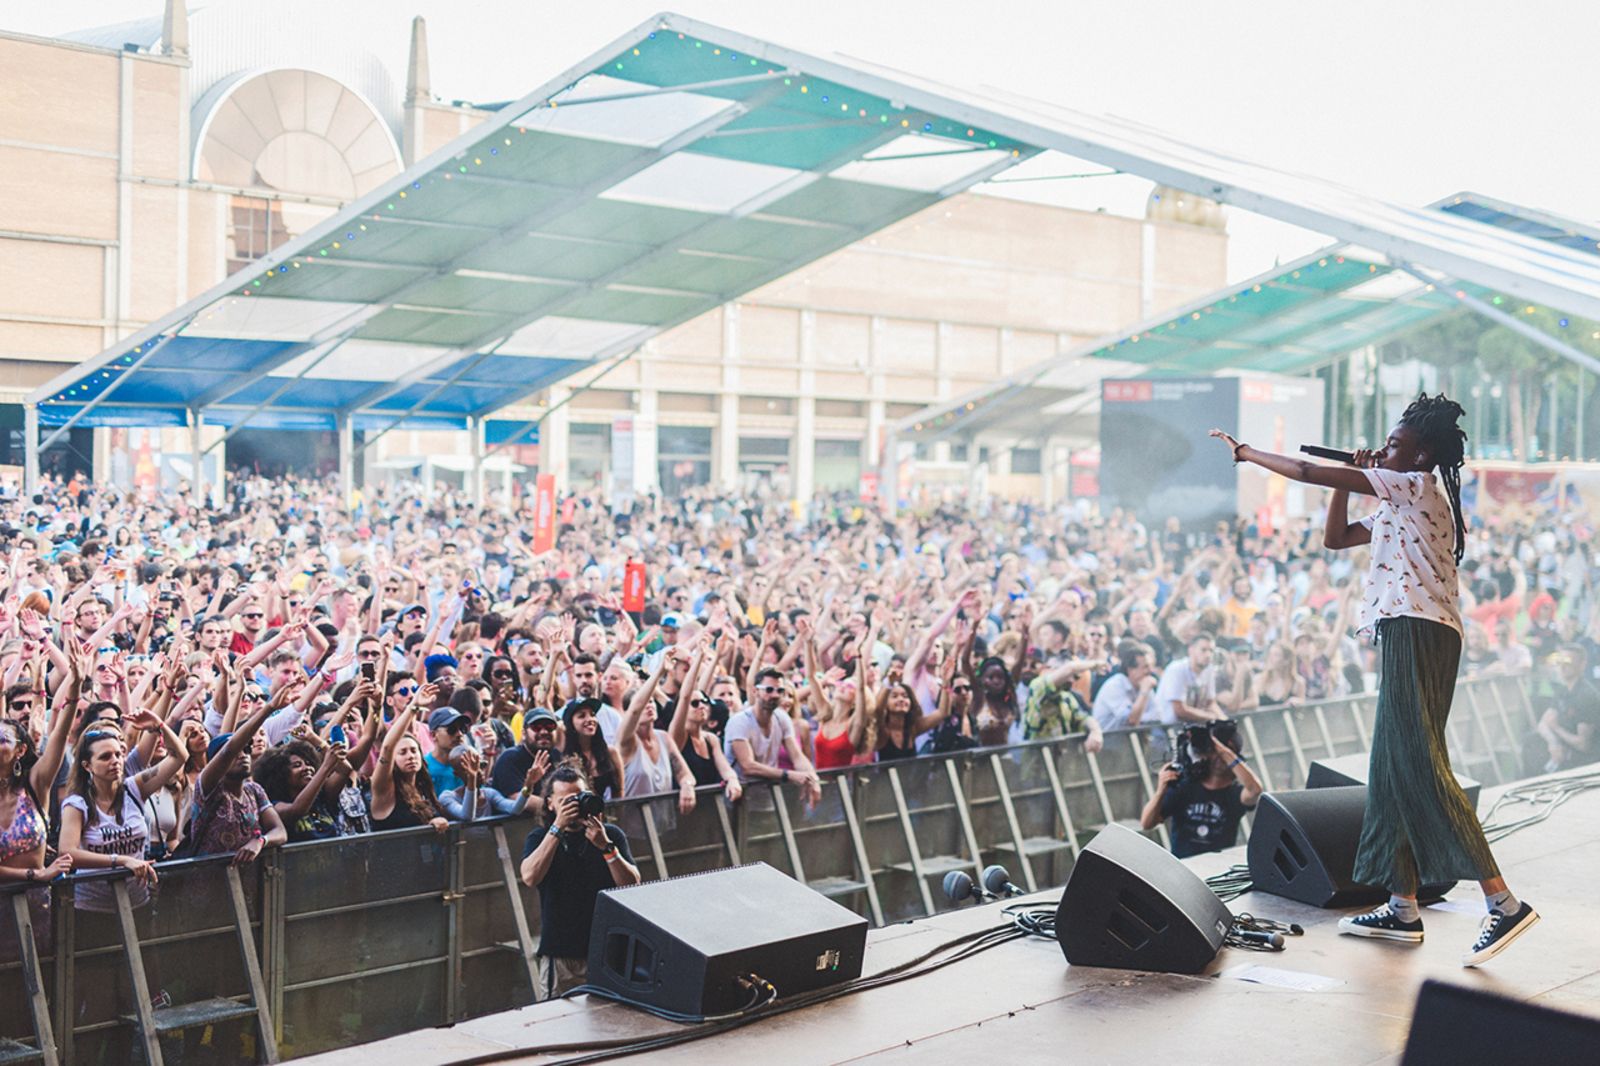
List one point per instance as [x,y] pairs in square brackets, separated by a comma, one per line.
[1434,419]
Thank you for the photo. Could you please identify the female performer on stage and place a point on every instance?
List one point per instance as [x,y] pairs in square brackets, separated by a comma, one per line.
[1419,827]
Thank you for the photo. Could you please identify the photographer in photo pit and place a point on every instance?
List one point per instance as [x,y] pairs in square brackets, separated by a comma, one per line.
[1205,791]
[571,860]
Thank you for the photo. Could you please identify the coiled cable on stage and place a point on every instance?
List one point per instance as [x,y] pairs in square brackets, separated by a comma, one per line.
[1544,796]
[1231,883]
[1034,919]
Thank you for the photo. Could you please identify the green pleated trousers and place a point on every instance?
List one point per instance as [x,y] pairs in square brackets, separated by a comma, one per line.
[1419,827]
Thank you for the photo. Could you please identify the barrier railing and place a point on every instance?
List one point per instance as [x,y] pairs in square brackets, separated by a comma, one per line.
[363,937]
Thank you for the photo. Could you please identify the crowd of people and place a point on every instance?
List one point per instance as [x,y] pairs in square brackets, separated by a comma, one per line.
[291,665]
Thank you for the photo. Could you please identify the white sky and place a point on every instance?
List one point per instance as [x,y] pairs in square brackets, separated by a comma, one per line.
[1409,101]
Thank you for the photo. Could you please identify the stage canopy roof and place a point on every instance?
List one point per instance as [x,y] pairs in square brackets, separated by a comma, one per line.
[678,168]
[1289,320]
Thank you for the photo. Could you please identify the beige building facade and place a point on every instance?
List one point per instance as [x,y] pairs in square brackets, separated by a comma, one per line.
[141,164]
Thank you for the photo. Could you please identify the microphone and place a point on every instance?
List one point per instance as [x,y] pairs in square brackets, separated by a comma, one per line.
[1328,453]
[997,880]
[1272,941]
[958,885]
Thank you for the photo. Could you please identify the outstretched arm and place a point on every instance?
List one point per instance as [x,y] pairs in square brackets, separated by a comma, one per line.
[1348,478]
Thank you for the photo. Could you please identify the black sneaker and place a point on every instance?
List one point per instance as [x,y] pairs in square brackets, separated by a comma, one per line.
[1383,924]
[1497,931]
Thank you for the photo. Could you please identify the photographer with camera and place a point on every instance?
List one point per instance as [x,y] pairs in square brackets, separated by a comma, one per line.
[571,860]
[1205,791]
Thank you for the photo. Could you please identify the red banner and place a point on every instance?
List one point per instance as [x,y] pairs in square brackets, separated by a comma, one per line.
[544,514]
[633,585]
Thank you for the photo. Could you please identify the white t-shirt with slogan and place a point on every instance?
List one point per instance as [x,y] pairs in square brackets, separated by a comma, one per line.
[1413,568]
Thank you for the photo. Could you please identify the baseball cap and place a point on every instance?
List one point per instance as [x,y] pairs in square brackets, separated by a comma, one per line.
[445,717]
[539,714]
[671,620]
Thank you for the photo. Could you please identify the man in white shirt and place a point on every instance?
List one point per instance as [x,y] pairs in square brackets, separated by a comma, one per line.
[1188,689]
[756,735]
[1125,697]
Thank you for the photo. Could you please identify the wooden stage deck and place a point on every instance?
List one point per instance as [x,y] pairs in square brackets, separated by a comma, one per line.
[1021,1002]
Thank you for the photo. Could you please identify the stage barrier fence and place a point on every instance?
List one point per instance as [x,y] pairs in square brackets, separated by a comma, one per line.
[331,943]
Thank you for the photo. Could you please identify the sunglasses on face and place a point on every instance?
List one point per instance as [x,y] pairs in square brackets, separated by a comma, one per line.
[502,675]
[254,614]
[22,705]
[768,688]
[371,654]
[960,688]
[699,702]
[254,697]
[403,690]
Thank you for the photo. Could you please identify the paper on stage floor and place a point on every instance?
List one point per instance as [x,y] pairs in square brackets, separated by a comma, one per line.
[1272,975]
[1458,906]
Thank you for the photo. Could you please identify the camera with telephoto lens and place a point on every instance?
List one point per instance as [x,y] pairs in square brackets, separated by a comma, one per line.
[1196,743]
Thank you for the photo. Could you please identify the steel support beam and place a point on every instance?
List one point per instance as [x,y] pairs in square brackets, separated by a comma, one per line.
[1511,322]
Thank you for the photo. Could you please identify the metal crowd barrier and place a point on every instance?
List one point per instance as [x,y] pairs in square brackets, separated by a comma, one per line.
[332,943]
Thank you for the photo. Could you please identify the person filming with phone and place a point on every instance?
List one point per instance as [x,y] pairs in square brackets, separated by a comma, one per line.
[1204,792]
[571,859]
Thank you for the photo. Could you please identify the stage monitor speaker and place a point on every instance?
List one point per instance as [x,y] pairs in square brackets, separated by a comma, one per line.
[1303,847]
[1352,770]
[1453,1025]
[685,944]
[1130,905]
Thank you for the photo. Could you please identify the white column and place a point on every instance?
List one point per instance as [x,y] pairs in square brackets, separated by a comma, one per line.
[1147,269]
[645,474]
[347,457]
[555,437]
[197,456]
[30,449]
[805,433]
[725,446]
[1047,466]
[889,474]
[874,453]
[475,486]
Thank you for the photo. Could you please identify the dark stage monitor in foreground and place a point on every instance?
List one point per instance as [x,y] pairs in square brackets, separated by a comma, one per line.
[688,944]
[1454,1025]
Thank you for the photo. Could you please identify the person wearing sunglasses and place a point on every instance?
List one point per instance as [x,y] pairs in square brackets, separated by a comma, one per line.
[756,735]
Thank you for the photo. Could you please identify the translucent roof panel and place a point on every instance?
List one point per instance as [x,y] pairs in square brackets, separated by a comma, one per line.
[678,168]
[1530,222]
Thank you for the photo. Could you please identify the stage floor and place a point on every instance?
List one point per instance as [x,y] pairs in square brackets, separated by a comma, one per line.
[1021,1002]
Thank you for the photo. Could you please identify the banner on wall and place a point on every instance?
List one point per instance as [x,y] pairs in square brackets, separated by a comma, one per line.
[544,514]
[633,586]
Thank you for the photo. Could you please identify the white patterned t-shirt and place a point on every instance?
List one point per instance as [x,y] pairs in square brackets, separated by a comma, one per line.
[1413,568]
